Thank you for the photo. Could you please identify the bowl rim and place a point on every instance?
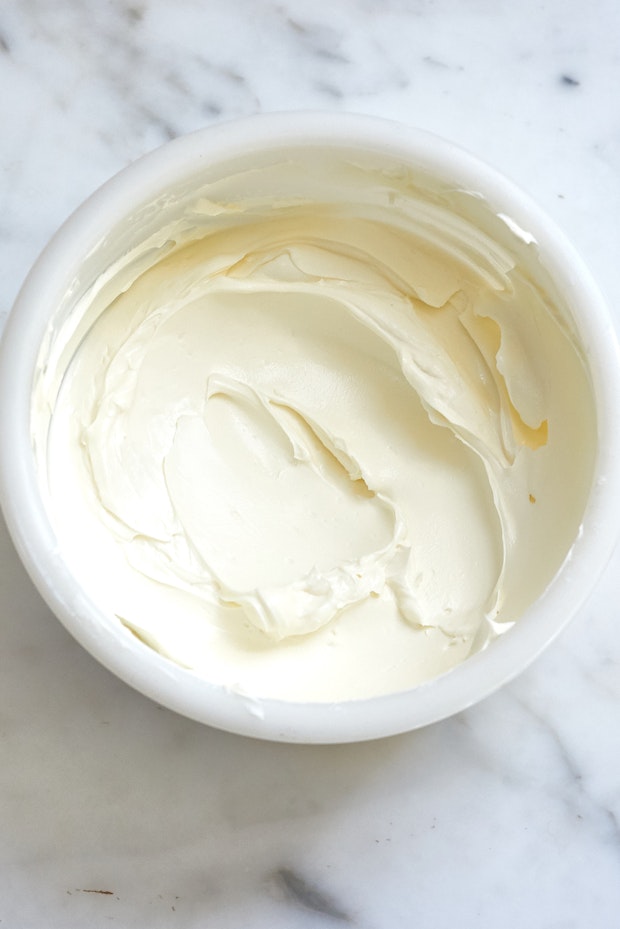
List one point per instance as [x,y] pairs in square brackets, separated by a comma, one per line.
[180,689]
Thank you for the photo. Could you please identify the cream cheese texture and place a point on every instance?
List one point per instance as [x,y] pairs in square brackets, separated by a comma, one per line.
[322,436]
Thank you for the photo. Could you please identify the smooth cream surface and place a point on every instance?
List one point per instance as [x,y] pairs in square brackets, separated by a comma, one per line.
[322,437]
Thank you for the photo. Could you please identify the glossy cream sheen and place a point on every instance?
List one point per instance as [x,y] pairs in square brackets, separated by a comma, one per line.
[322,435]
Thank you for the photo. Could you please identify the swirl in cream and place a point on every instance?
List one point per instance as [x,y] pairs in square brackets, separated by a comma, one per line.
[321,447]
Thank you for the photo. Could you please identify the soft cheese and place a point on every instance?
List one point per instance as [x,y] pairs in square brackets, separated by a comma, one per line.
[320,436]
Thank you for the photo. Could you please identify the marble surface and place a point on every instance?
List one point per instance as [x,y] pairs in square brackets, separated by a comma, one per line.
[115,811]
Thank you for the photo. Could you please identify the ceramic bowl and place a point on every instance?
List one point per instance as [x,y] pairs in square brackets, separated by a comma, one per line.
[67,265]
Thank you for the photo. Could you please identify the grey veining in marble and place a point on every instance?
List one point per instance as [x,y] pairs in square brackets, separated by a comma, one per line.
[114,811]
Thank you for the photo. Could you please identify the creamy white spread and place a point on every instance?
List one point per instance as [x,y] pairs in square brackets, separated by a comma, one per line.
[321,434]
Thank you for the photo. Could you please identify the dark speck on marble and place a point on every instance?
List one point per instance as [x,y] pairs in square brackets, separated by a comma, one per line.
[233,76]
[309,896]
[134,14]
[209,108]
[569,81]
[295,26]
[4,45]
[330,90]
[167,131]
[319,40]
[328,55]
[437,63]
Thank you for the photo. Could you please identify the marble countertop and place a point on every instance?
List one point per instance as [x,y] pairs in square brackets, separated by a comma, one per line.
[115,811]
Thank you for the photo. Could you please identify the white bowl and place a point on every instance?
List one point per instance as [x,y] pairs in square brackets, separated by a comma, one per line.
[64,267]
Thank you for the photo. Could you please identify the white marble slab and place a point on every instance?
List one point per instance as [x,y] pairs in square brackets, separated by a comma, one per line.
[115,811]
